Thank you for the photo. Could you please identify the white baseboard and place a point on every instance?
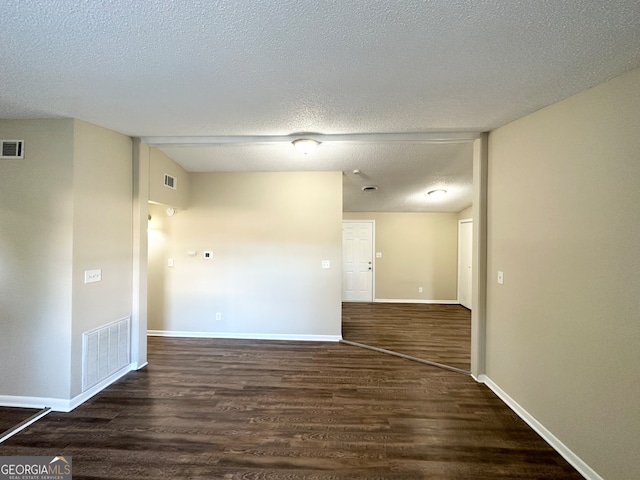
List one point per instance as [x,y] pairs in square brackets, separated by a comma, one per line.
[412,300]
[585,470]
[245,336]
[25,402]
[61,404]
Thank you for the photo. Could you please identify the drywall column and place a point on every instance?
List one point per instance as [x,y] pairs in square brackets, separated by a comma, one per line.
[140,246]
[36,239]
[102,232]
[479,262]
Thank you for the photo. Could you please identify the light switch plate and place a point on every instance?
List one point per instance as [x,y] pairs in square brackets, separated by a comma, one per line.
[501,278]
[378,254]
[91,276]
[326,263]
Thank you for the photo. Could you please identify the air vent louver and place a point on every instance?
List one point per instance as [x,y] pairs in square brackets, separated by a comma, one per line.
[170,181]
[12,148]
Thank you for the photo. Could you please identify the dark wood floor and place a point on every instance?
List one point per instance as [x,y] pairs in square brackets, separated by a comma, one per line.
[10,417]
[439,333]
[236,409]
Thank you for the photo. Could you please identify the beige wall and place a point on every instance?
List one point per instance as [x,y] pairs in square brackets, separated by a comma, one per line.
[157,268]
[418,250]
[466,213]
[65,208]
[159,164]
[140,226]
[563,332]
[102,233]
[36,215]
[269,233]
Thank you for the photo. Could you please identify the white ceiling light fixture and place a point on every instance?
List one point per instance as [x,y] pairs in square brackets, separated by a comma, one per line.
[438,193]
[305,145]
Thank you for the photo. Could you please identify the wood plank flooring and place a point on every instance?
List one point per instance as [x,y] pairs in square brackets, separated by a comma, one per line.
[239,409]
[12,416]
[439,333]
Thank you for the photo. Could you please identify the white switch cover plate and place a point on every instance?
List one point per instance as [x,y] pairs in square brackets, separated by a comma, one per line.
[207,254]
[170,262]
[378,254]
[326,263]
[91,276]
[501,278]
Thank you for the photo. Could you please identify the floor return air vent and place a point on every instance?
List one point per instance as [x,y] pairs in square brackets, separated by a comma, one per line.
[105,350]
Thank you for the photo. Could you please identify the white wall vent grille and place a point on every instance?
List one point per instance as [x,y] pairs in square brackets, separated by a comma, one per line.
[11,148]
[169,181]
[105,350]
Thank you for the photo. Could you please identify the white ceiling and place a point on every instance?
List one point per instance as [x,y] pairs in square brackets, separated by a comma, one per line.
[160,68]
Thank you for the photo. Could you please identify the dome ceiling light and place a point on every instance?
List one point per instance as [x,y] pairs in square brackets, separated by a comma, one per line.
[305,145]
[439,193]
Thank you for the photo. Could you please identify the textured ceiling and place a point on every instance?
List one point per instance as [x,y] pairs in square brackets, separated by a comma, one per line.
[220,68]
[403,173]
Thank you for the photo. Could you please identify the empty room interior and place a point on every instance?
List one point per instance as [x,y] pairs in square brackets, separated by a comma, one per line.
[321,240]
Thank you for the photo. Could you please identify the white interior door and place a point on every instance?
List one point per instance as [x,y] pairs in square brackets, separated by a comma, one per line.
[465,253]
[357,263]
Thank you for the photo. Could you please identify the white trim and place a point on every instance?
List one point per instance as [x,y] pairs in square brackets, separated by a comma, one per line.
[413,300]
[25,424]
[408,357]
[61,404]
[460,222]
[24,402]
[245,336]
[585,470]
[409,137]
[134,366]
[479,260]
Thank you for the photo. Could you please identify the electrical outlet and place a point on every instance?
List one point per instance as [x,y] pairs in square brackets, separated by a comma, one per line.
[419,289]
[326,264]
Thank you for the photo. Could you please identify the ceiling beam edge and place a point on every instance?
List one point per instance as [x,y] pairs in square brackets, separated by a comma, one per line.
[418,137]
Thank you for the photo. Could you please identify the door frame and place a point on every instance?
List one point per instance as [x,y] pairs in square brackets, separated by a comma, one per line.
[460,222]
[373,255]
[479,260]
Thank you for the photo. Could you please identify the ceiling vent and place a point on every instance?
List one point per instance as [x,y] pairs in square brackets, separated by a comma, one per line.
[12,148]
[170,181]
